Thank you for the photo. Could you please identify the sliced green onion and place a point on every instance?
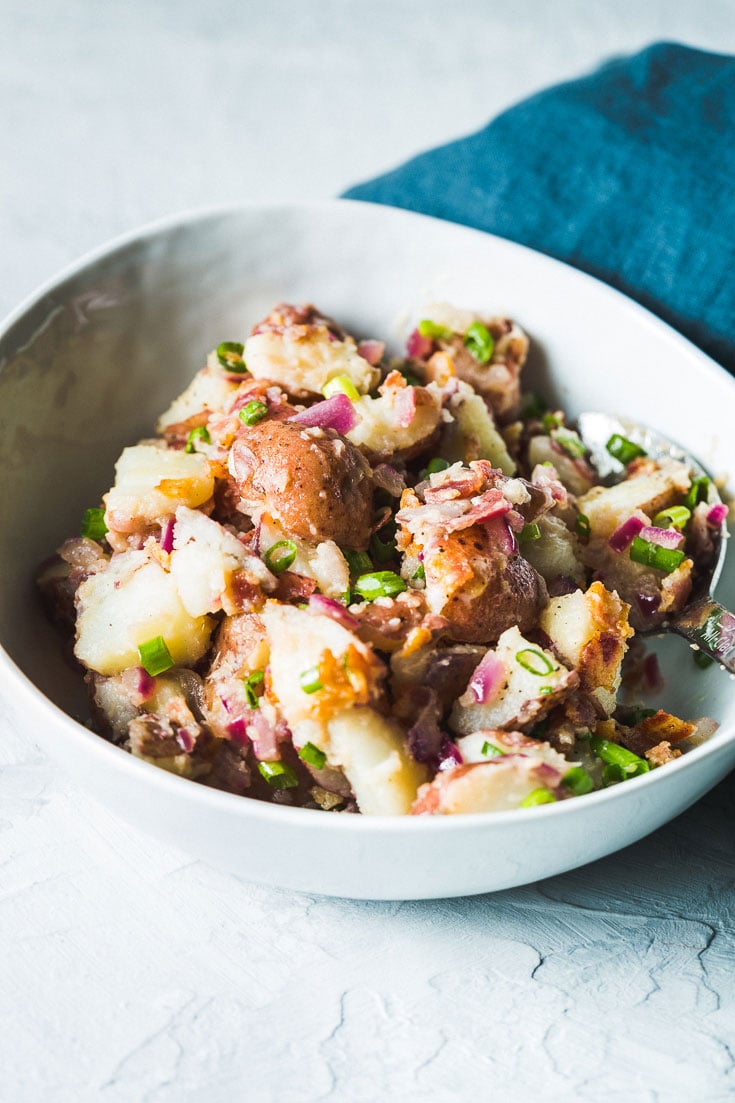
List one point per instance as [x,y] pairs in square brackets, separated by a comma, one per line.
[698,492]
[278,775]
[489,750]
[569,441]
[531,531]
[538,796]
[613,773]
[341,384]
[545,691]
[578,780]
[653,555]
[582,526]
[436,465]
[201,433]
[358,561]
[379,584]
[550,422]
[255,679]
[623,449]
[254,412]
[427,328]
[419,573]
[229,354]
[280,556]
[535,662]
[615,755]
[383,550]
[93,524]
[676,517]
[702,660]
[309,680]
[480,342]
[155,656]
[312,755]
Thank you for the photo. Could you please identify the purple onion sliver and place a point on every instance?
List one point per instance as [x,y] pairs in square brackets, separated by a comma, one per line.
[237,731]
[648,604]
[717,514]
[372,351]
[665,538]
[624,534]
[146,684]
[167,535]
[419,347]
[449,755]
[327,606]
[488,678]
[336,413]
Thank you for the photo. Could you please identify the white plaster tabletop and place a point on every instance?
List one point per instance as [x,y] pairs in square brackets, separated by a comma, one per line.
[129,972]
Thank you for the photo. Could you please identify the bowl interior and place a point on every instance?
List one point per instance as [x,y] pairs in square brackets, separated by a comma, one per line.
[87,366]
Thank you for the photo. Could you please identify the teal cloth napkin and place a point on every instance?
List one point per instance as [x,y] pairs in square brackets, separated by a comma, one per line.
[628,174]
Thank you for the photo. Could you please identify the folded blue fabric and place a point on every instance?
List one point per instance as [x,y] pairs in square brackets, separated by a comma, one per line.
[628,174]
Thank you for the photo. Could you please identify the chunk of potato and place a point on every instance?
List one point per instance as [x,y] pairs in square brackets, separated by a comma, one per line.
[304,358]
[608,507]
[535,681]
[371,751]
[496,786]
[473,434]
[151,482]
[590,631]
[132,601]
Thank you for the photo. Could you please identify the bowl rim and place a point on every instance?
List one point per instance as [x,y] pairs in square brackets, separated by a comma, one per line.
[136,769]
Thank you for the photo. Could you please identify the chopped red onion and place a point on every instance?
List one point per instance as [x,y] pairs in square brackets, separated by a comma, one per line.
[449,755]
[648,604]
[562,585]
[143,683]
[372,351]
[665,538]
[336,413]
[328,607]
[419,347]
[167,535]
[425,738]
[237,731]
[488,678]
[387,478]
[652,675]
[624,534]
[717,514]
[186,738]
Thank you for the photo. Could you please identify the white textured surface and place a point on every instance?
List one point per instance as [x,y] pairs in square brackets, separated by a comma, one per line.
[127,971]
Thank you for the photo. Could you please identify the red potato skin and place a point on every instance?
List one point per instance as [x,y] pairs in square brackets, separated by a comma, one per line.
[492,591]
[318,485]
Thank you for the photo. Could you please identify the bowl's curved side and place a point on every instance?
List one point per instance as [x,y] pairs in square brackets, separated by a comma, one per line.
[86,365]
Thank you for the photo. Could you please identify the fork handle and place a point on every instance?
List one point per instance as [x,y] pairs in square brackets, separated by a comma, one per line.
[711,627]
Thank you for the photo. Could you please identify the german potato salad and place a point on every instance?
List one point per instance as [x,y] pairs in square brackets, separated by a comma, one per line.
[393,586]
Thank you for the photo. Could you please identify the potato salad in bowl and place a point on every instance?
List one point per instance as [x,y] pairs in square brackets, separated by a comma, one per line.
[366,584]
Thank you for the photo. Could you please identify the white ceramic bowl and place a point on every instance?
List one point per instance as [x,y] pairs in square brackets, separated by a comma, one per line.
[87,364]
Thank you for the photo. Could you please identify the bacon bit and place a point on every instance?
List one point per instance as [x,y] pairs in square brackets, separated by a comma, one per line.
[175,488]
[661,754]
[294,587]
[372,351]
[418,347]
[440,368]
[404,405]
